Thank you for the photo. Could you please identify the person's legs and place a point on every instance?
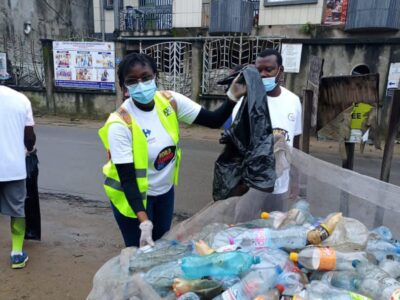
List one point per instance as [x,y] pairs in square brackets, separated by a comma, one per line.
[17,234]
[163,207]
[12,203]
[129,228]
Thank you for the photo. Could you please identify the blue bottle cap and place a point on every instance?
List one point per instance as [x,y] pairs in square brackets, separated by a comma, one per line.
[278,270]
[356,263]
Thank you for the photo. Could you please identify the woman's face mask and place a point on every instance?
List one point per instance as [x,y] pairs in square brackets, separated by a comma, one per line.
[143,92]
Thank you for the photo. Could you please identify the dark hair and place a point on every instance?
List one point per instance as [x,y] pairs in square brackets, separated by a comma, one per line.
[130,61]
[269,52]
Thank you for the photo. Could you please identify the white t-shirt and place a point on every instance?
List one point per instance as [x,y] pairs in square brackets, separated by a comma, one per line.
[15,115]
[161,148]
[285,113]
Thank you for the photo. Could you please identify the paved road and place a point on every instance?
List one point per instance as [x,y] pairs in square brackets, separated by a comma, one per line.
[71,159]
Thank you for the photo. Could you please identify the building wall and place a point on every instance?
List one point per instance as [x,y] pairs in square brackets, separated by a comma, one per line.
[291,14]
[186,13]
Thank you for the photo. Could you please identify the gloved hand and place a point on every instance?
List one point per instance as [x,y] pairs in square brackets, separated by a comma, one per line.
[237,89]
[146,236]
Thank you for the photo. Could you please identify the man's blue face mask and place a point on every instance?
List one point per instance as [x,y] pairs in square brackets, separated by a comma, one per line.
[270,82]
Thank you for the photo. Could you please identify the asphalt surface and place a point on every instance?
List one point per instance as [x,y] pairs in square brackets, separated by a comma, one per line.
[71,159]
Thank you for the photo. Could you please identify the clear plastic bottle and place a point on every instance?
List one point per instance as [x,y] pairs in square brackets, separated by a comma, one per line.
[347,280]
[327,259]
[217,264]
[164,251]
[293,282]
[254,283]
[390,266]
[382,232]
[376,283]
[274,294]
[227,236]
[318,290]
[294,237]
[381,248]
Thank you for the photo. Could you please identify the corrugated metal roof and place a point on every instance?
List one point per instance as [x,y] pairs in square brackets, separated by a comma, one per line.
[373,14]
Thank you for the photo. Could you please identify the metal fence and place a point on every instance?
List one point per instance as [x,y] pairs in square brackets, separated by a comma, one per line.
[25,62]
[150,15]
[221,55]
[174,65]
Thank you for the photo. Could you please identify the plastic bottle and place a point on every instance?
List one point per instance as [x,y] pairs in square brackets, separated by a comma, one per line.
[274,294]
[293,282]
[294,237]
[226,237]
[347,280]
[204,288]
[163,251]
[376,283]
[380,248]
[324,230]
[390,266]
[189,296]
[254,283]
[382,232]
[291,238]
[326,259]
[217,264]
[161,277]
[318,290]
[298,214]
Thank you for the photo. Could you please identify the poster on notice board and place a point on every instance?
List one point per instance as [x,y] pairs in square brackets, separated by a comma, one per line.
[84,65]
[335,12]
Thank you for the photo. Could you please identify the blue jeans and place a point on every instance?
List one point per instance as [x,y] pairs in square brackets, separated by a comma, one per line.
[160,211]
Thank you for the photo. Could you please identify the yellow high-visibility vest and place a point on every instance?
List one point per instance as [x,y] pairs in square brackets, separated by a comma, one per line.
[112,184]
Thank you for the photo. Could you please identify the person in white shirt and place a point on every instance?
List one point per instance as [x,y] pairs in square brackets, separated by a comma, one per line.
[286,117]
[142,140]
[16,137]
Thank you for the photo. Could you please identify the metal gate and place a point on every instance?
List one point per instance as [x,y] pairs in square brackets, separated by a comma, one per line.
[222,55]
[174,64]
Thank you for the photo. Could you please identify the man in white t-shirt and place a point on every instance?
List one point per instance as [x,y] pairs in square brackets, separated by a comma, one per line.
[16,137]
[286,116]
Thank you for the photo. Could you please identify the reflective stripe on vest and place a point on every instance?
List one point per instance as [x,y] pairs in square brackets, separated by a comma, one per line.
[112,185]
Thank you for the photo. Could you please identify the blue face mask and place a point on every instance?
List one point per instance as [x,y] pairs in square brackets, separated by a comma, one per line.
[269,83]
[143,92]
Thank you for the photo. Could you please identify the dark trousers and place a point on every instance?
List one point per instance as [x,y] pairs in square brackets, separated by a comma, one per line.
[160,211]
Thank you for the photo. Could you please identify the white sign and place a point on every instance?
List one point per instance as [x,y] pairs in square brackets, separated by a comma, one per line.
[3,67]
[85,65]
[394,76]
[291,55]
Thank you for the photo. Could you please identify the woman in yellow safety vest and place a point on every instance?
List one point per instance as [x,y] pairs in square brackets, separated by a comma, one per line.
[142,142]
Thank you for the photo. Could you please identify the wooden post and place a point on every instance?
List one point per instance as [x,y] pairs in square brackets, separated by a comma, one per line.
[307,110]
[393,129]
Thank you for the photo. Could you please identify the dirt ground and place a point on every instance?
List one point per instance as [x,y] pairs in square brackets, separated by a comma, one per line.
[78,237]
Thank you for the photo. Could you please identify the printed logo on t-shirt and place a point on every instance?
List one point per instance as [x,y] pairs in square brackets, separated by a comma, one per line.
[291,117]
[147,132]
[281,132]
[164,158]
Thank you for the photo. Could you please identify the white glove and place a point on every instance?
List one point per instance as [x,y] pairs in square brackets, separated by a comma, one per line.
[236,90]
[147,231]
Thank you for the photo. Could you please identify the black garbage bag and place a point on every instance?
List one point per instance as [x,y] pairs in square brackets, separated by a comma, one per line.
[248,157]
[32,206]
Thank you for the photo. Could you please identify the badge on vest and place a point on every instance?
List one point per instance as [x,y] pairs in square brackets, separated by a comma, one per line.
[167,111]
